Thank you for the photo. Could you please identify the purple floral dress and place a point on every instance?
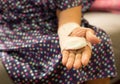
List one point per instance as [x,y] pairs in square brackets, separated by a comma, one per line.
[29,44]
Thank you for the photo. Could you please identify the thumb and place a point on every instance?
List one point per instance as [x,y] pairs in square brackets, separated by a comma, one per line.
[91,37]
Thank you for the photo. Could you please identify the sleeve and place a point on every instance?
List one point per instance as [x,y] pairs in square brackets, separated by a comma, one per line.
[86,4]
[64,4]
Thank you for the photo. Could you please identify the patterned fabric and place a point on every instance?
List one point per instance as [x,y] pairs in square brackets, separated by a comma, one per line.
[29,44]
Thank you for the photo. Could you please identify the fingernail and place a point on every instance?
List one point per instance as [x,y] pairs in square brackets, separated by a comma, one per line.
[84,61]
[64,63]
[68,66]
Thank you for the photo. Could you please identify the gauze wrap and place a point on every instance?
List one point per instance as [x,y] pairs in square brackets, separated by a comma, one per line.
[70,42]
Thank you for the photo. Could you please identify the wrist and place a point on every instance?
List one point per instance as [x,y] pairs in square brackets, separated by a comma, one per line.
[66,29]
[66,41]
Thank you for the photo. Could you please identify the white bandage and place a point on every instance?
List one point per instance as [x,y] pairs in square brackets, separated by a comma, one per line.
[73,43]
[66,29]
[67,41]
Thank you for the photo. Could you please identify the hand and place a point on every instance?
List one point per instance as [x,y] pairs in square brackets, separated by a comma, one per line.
[88,33]
[77,58]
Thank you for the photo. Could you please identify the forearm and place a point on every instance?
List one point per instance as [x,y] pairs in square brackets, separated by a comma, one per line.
[71,15]
[68,21]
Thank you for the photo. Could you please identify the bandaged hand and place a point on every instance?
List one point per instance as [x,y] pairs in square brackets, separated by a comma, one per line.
[74,45]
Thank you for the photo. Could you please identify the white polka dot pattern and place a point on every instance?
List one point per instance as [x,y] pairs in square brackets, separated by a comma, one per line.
[29,44]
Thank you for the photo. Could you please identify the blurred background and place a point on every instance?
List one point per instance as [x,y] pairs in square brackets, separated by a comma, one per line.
[105,14]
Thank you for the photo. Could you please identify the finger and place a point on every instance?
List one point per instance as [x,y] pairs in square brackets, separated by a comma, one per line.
[80,32]
[65,55]
[86,55]
[77,63]
[71,59]
[91,37]
[92,31]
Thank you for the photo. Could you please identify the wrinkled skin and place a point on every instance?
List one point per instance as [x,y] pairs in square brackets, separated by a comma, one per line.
[80,57]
